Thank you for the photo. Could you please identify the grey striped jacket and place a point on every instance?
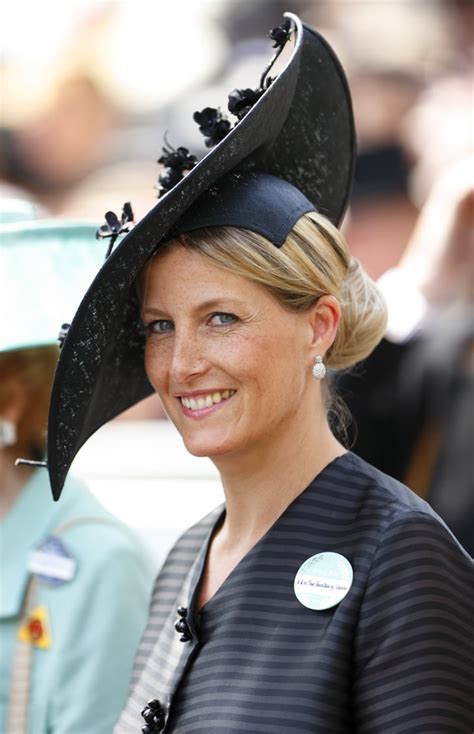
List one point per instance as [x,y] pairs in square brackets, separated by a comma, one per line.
[395,655]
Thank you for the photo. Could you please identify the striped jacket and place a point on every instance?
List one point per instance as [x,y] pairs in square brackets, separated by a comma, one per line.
[395,655]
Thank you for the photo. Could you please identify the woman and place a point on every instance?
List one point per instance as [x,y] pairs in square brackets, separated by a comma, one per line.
[74,579]
[324,596]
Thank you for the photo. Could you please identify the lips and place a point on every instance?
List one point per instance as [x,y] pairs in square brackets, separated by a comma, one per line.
[206,400]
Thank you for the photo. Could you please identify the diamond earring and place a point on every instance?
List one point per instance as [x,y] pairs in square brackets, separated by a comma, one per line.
[319,370]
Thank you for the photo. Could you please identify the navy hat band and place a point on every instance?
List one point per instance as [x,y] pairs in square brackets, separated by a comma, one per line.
[259,202]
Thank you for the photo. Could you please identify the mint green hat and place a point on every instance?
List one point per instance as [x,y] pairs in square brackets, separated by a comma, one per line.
[46,266]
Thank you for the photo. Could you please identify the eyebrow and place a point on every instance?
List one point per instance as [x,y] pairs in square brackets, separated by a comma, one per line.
[211,303]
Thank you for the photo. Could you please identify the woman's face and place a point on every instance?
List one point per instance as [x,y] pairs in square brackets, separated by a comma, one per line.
[231,366]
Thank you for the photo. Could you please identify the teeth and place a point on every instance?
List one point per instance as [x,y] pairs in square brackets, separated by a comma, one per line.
[207,401]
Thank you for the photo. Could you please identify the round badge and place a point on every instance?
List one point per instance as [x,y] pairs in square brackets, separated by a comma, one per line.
[323,580]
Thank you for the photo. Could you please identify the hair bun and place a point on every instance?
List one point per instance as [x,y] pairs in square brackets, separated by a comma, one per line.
[363,319]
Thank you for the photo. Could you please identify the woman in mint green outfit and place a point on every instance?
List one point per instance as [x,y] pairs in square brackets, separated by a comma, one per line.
[75,582]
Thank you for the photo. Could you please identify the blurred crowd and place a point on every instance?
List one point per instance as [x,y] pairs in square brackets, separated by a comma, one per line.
[84,115]
[85,109]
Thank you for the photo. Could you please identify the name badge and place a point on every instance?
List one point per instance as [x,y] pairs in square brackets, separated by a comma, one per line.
[323,580]
[52,563]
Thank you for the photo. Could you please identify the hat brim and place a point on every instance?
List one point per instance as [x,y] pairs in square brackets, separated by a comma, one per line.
[40,258]
[301,129]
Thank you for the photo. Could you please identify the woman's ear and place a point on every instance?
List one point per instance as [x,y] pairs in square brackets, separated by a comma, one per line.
[324,317]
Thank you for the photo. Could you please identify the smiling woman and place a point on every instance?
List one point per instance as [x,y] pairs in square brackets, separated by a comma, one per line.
[234,327]
[234,350]
[268,298]
[323,596]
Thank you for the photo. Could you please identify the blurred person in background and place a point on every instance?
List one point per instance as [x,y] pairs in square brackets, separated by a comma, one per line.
[75,582]
[411,399]
[66,140]
[382,213]
[296,607]
[80,105]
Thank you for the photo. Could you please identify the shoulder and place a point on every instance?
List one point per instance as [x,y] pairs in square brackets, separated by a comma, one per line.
[83,515]
[388,522]
[385,498]
[413,638]
[98,539]
[410,542]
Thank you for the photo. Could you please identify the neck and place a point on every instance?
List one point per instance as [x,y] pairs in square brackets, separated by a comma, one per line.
[259,486]
[12,479]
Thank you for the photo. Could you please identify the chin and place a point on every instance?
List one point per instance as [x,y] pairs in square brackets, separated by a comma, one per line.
[201,446]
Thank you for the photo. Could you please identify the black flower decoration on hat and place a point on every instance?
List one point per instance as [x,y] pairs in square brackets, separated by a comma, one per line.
[175,161]
[281,33]
[114,226]
[241,101]
[62,334]
[212,124]
[280,36]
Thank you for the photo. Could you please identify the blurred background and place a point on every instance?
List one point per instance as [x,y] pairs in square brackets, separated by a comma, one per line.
[89,88]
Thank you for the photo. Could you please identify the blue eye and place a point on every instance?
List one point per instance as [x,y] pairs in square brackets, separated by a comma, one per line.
[223,319]
[161,326]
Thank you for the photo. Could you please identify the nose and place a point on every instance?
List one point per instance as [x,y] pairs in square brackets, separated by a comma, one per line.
[187,358]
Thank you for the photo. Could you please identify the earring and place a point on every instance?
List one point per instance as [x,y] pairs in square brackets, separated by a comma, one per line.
[7,433]
[319,370]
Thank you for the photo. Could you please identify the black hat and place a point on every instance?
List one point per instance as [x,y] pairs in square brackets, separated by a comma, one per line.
[298,129]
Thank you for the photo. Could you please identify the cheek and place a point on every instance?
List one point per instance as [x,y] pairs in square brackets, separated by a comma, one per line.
[268,363]
[241,354]
[284,362]
[155,365]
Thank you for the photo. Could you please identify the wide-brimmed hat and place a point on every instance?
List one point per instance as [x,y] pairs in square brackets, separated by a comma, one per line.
[298,128]
[45,267]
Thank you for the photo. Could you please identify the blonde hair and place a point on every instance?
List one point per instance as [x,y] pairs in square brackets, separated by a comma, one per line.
[313,261]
